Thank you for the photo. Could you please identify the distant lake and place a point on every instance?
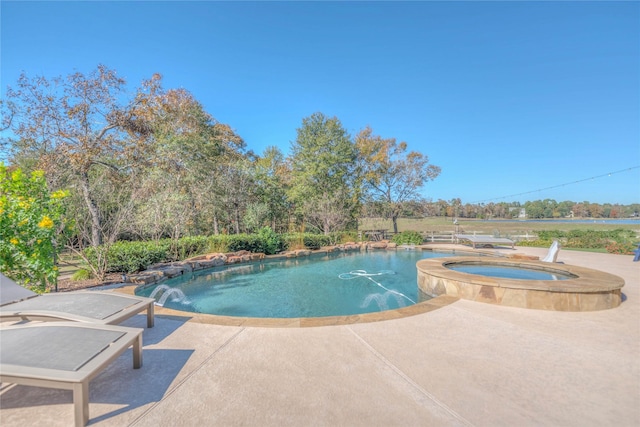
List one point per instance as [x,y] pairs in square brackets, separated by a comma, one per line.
[572,221]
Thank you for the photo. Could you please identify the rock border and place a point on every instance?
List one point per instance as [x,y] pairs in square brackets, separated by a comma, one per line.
[158,273]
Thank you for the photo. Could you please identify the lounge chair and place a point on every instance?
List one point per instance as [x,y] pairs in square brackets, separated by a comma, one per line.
[484,239]
[64,355]
[552,255]
[106,308]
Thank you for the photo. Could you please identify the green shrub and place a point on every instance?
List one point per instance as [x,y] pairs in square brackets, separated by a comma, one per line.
[550,235]
[347,236]
[538,243]
[408,238]
[294,240]
[81,274]
[316,241]
[272,243]
[309,240]
[625,248]
[217,243]
[131,257]
[244,242]
[587,239]
[186,247]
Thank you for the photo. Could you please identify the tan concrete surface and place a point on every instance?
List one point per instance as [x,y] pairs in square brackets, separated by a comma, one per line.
[466,363]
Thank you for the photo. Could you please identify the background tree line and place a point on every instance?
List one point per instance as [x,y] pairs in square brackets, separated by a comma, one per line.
[152,163]
[537,209]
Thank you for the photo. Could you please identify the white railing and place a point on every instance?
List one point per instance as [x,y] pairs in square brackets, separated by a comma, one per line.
[449,236]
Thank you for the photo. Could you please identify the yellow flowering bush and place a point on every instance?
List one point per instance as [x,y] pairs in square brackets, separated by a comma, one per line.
[45,222]
[30,218]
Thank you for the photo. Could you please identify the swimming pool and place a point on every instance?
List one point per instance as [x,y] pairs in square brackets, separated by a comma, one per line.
[317,286]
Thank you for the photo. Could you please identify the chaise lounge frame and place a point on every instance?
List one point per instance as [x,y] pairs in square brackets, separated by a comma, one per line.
[63,336]
[99,307]
[483,239]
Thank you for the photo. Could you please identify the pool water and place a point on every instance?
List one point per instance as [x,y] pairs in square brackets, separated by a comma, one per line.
[510,272]
[316,286]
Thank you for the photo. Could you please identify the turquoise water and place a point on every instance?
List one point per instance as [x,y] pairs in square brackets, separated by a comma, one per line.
[509,272]
[316,286]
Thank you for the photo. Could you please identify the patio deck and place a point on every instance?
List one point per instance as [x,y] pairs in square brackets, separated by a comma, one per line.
[464,364]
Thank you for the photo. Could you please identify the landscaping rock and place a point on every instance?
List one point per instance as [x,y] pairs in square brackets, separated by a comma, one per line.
[203,264]
[223,257]
[378,245]
[173,269]
[145,278]
[160,272]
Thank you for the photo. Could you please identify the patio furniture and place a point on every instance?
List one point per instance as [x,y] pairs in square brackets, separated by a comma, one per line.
[64,355]
[483,239]
[552,255]
[375,235]
[105,308]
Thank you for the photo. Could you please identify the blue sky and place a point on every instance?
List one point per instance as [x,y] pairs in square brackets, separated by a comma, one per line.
[506,97]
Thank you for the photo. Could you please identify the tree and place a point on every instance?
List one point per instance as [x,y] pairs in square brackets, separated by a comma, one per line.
[271,173]
[596,210]
[30,219]
[162,208]
[109,147]
[323,164]
[73,125]
[581,210]
[389,173]
[534,209]
[237,191]
[186,167]
[327,213]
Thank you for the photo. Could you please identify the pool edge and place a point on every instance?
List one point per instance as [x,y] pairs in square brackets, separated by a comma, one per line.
[303,322]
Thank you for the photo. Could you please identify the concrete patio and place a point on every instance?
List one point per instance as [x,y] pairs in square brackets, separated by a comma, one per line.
[465,363]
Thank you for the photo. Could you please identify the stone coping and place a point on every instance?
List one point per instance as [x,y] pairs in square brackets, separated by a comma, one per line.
[302,322]
[585,280]
[587,290]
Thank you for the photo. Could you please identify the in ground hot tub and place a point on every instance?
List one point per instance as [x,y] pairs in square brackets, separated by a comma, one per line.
[565,288]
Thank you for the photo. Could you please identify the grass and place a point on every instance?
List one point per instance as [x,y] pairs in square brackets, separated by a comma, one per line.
[598,250]
[503,227]
[69,264]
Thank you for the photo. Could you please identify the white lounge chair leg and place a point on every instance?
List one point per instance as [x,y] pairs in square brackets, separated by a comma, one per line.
[137,352]
[81,403]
